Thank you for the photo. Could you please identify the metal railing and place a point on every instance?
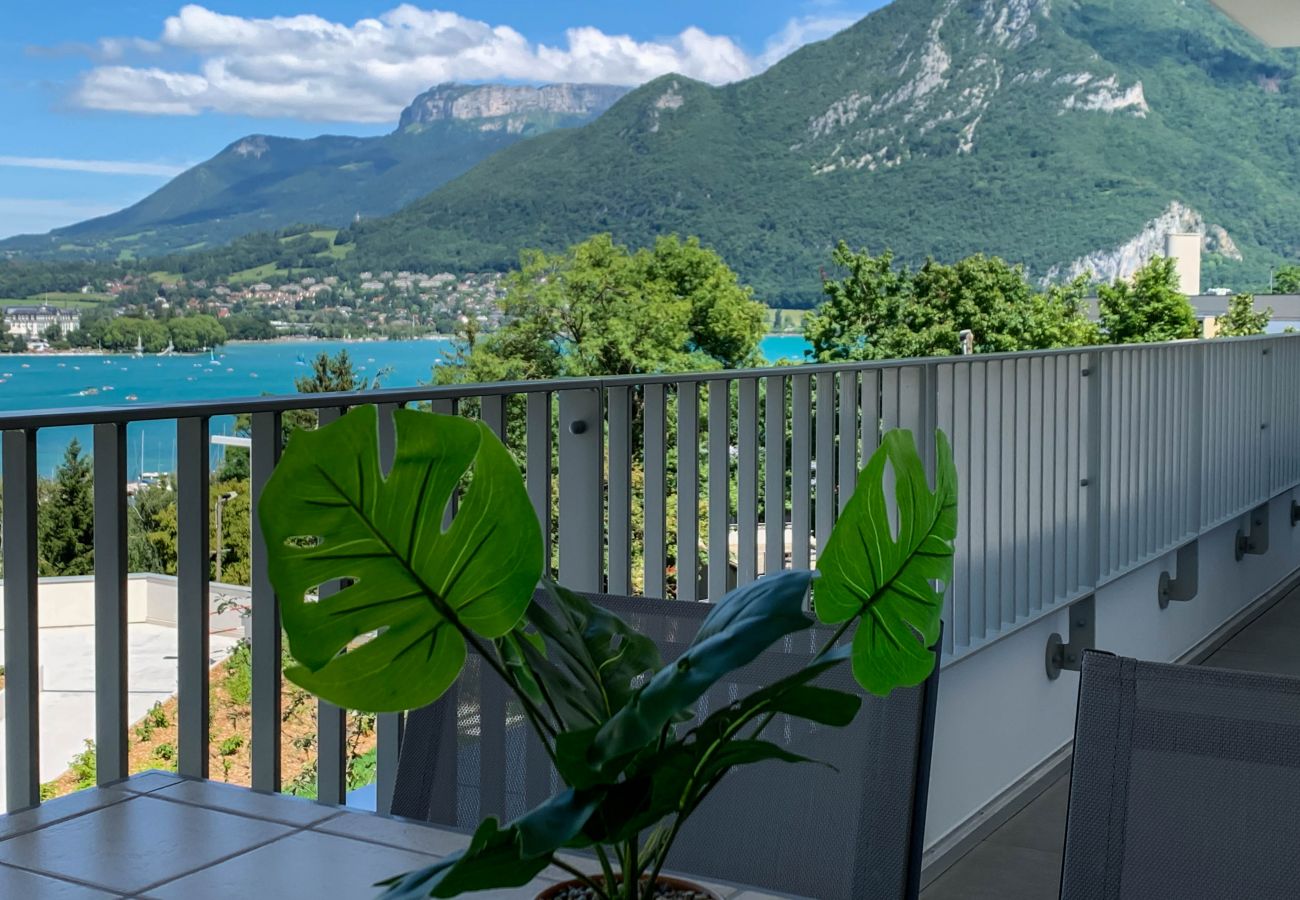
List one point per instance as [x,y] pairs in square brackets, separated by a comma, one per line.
[1076,466]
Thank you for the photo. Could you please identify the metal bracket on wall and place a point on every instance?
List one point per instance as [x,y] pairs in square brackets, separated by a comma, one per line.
[1255,541]
[1083,636]
[1185,586]
[1295,514]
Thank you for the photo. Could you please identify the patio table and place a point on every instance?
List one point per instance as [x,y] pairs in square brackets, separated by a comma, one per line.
[158,836]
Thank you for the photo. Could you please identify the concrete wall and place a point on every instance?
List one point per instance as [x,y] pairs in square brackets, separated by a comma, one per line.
[1000,718]
[70,602]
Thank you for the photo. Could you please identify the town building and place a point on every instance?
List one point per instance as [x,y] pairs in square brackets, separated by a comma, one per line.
[32,322]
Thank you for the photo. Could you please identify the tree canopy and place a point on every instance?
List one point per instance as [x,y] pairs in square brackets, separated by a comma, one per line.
[878,310]
[1147,308]
[599,308]
[1242,318]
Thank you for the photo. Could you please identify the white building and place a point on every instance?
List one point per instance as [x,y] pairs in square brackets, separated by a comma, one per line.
[31,322]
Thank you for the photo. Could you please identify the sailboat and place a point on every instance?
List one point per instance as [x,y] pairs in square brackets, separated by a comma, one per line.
[170,349]
[139,346]
[302,361]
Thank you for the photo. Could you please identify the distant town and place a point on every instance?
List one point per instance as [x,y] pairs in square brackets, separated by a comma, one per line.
[154,313]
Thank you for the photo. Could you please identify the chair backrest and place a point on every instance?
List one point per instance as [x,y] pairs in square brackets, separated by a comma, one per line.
[1185,783]
[854,831]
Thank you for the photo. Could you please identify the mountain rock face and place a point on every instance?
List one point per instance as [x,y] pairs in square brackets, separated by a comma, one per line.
[262,182]
[1050,132]
[507,107]
[1128,257]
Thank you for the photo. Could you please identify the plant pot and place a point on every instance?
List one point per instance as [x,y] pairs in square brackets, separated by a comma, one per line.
[669,888]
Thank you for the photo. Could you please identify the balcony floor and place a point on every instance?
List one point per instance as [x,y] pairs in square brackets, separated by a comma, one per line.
[1021,860]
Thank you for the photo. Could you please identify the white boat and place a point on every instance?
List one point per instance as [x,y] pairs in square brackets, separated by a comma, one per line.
[139,346]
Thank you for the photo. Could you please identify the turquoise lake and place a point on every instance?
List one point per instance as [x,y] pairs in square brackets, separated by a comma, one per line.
[240,370]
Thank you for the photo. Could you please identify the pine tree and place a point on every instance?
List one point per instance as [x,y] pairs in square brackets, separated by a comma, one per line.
[65,523]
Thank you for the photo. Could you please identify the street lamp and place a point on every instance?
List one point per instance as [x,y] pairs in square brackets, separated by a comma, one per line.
[222,500]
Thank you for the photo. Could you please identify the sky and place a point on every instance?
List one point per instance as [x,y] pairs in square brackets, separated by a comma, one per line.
[101,103]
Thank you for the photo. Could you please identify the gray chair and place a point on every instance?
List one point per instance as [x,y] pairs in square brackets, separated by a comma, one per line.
[805,830]
[1185,783]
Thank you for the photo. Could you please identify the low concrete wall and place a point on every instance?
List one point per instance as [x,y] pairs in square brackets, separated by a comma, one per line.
[69,602]
[1001,719]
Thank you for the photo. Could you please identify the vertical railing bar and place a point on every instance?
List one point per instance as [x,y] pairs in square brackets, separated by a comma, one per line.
[654,431]
[1097,364]
[719,444]
[747,437]
[993,594]
[193,603]
[825,496]
[975,480]
[964,611]
[1024,464]
[537,425]
[1038,424]
[800,471]
[492,412]
[688,487]
[22,650]
[620,490]
[774,475]
[848,436]
[111,717]
[582,489]
[331,721]
[266,640]
[389,726]
[1007,499]
[945,419]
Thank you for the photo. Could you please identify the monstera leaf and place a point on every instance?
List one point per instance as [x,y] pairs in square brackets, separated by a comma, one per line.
[867,571]
[329,515]
[742,625]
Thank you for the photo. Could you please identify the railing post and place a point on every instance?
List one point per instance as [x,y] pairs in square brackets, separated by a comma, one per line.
[582,427]
[22,669]
[110,603]
[266,644]
[193,604]
[719,491]
[654,439]
[620,490]
[1091,480]
[331,720]
[390,726]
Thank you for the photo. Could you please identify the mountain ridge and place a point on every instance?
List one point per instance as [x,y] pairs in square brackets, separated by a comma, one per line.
[1039,131]
[263,182]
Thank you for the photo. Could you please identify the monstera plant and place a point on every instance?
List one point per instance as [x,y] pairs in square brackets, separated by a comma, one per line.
[416,586]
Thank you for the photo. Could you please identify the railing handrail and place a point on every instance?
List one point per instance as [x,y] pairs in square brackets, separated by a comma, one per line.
[143,412]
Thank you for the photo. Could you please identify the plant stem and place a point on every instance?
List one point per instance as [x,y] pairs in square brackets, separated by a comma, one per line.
[631,873]
[606,866]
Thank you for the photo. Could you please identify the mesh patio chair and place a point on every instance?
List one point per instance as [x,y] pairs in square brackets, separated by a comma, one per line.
[1185,783]
[804,830]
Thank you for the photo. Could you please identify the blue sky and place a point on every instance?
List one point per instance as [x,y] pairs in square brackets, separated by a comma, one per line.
[102,102]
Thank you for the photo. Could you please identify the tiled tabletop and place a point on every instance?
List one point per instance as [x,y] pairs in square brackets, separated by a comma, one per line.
[156,836]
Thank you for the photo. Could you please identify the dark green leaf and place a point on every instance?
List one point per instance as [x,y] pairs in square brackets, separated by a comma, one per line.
[591,657]
[885,579]
[328,514]
[742,625]
[500,857]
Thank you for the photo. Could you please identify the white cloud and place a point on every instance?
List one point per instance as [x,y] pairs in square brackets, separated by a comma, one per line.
[308,67]
[23,215]
[98,166]
[798,32]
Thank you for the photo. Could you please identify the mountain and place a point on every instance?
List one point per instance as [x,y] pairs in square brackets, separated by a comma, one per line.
[1064,134]
[263,183]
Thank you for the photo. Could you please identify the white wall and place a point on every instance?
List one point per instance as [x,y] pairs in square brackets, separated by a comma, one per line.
[1000,717]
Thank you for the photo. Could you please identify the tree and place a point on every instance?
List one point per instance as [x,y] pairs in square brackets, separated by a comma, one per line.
[191,333]
[65,521]
[600,309]
[877,311]
[1286,280]
[329,374]
[1242,319]
[1148,308]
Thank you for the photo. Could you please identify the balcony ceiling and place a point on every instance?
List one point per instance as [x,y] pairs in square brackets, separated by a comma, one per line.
[1275,22]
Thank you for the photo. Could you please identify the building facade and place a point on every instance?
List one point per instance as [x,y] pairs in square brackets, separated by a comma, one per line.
[32,322]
